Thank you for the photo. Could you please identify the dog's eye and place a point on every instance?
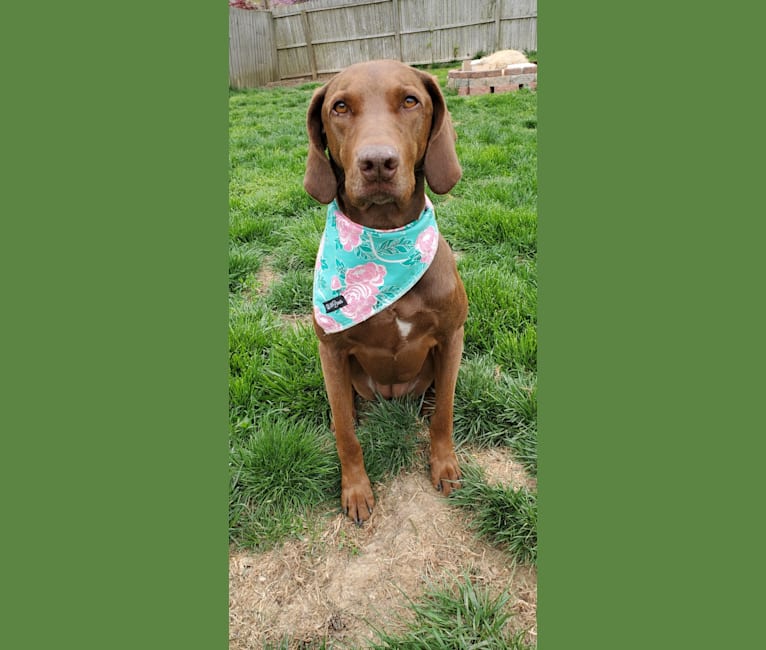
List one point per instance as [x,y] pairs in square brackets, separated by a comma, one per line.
[410,102]
[340,107]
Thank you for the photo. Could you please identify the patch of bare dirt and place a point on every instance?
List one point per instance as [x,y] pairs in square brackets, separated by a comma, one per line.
[265,277]
[500,468]
[296,320]
[345,578]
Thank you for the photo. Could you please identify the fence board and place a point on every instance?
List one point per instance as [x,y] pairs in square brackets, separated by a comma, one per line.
[252,56]
[324,36]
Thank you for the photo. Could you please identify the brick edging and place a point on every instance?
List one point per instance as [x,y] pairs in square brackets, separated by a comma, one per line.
[480,82]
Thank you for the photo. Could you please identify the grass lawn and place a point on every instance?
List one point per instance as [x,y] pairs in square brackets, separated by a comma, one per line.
[285,475]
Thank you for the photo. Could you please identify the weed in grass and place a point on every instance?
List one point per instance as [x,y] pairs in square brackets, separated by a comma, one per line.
[292,293]
[456,614]
[281,470]
[505,516]
[243,261]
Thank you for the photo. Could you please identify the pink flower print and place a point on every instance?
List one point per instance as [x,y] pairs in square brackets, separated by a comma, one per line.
[369,274]
[361,302]
[327,323]
[427,243]
[335,283]
[349,233]
[361,292]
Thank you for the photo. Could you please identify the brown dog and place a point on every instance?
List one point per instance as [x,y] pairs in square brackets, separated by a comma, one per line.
[387,130]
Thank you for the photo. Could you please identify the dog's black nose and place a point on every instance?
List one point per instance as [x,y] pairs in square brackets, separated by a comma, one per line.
[377,162]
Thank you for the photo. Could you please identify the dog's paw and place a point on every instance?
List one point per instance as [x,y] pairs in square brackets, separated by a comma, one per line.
[357,500]
[445,472]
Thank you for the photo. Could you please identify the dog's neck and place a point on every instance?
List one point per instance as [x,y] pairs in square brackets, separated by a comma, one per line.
[385,216]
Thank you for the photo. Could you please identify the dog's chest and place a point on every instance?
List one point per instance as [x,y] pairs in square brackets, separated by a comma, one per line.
[404,329]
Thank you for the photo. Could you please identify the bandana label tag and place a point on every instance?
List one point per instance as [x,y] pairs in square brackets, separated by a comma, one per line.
[334,304]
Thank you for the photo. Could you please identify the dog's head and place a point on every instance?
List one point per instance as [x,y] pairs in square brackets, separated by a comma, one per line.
[372,129]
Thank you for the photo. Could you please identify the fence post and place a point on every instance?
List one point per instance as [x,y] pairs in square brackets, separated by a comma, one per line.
[398,28]
[498,14]
[275,72]
[309,45]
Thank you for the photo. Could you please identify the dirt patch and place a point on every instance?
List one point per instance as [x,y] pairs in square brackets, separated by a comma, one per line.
[338,581]
[296,320]
[500,468]
[265,278]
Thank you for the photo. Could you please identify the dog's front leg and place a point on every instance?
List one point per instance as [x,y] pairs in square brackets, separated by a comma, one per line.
[445,471]
[356,496]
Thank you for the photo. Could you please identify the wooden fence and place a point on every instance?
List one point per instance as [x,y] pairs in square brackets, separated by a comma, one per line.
[324,36]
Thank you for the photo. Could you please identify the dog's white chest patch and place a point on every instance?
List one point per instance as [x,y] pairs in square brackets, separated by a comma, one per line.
[404,327]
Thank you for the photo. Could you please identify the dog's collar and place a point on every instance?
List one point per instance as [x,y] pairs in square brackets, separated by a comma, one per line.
[360,271]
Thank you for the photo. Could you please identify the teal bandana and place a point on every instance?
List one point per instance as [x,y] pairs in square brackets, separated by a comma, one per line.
[361,271]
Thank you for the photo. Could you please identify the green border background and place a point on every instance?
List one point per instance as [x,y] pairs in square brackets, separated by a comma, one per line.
[650,327]
[114,237]
[114,347]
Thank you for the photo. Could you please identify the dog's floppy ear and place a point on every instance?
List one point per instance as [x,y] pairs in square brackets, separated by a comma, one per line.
[441,165]
[319,180]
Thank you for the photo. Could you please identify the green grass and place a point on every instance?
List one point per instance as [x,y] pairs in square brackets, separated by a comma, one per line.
[450,615]
[499,513]
[284,468]
[279,469]
[291,294]
[244,262]
[387,432]
[497,408]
